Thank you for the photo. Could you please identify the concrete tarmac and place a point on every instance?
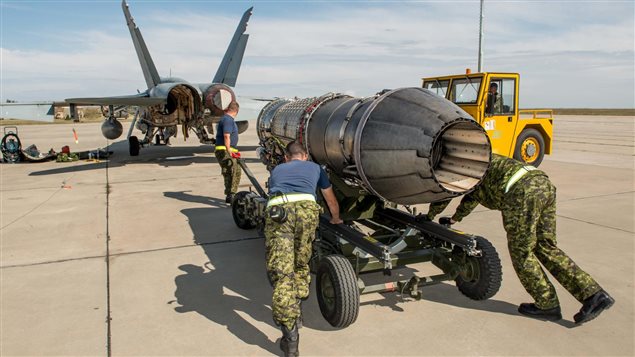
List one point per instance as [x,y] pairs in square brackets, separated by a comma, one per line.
[139,256]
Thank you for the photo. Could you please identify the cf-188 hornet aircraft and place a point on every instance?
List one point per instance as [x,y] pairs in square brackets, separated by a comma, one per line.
[171,101]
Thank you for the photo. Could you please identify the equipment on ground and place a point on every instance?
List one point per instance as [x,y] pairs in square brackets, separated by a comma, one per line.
[405,146]
[11,146]
[525,135]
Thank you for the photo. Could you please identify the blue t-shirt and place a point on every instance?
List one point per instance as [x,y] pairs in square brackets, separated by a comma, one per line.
[298,176]
[227,125]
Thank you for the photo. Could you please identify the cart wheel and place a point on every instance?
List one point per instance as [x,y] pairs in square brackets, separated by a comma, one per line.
[240,211]
[530,147]
[482,276]
[134,146]
[337,291]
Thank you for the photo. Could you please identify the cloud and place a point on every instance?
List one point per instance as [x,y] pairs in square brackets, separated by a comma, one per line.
[557,47]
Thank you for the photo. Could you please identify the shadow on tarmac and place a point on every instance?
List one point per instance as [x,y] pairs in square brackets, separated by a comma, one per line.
[234,282]
[166,156]
[449,294]
[232,288]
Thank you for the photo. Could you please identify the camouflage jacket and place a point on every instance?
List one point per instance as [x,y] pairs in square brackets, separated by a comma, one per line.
[490,193]
[494,104]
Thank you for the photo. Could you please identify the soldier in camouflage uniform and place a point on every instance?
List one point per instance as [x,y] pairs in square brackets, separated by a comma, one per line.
[226,152]
[289,236]
[527,200]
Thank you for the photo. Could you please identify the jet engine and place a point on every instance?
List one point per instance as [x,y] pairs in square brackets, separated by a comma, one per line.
[217,98]
[407,146]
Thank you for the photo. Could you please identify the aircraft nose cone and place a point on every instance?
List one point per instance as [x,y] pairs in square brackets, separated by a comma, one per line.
[111,129]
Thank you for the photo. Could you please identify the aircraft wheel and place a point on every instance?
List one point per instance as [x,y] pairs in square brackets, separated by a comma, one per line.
[134,146]
[530,147]
[241,212]
[337,291]
[481,277]
[157,140]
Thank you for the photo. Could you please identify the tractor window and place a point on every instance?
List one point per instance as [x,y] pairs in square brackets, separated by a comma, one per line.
[439,88]
[465,90]
[501,96]
[509,95]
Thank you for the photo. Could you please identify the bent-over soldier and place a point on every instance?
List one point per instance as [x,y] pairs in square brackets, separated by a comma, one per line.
[527,201]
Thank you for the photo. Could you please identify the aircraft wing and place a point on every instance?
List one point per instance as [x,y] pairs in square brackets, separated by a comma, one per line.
[140,100]
[37,111]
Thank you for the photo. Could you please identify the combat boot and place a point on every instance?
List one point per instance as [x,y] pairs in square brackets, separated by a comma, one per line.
[593,306]
[531,310]
[290,341]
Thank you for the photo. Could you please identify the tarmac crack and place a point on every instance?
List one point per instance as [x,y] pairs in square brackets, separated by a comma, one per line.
[595,224]
[228,241]
[108,312]
[598,196]
[41,203]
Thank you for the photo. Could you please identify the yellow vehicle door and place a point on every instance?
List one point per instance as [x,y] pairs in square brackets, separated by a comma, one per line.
[500,111]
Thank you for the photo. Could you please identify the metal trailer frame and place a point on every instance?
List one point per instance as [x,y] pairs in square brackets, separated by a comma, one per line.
[343,253]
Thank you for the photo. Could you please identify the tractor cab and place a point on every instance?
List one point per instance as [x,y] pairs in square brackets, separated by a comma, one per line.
[492,100]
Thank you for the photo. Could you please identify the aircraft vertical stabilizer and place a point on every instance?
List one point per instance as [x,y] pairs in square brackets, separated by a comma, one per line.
[147,65]
[227,72]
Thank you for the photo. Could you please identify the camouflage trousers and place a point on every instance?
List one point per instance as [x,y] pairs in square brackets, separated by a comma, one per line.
[288,251]
[530,221]
[230,171]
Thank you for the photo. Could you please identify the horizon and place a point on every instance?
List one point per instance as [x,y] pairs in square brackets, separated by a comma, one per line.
[569,54]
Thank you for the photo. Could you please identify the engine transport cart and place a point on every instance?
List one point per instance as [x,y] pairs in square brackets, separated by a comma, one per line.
[379,238]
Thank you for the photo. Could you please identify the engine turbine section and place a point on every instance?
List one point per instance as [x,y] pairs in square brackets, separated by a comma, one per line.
[407,146]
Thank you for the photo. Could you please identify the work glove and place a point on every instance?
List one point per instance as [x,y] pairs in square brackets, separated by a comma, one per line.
[446,221]
[235,155]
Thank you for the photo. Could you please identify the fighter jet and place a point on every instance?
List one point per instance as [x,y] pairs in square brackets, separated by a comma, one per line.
[170,101]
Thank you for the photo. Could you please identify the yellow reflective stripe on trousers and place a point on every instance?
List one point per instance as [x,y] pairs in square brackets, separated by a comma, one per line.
[517,176]
[218,147]
[291,197]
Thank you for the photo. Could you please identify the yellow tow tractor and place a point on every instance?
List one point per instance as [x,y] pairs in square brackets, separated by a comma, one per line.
[492,100]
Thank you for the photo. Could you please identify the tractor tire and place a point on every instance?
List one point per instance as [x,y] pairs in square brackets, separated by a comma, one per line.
[134,146]
[337,291]
[239,210]
[484,274]
[530,147]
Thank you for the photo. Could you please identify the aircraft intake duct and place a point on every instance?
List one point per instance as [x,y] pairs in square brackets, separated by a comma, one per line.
[407,146]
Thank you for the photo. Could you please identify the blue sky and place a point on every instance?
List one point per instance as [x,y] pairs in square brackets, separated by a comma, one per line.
[569,53]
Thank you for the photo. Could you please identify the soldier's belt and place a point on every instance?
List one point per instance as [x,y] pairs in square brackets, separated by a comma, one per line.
[517,176]
[291,197]
[223,148]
